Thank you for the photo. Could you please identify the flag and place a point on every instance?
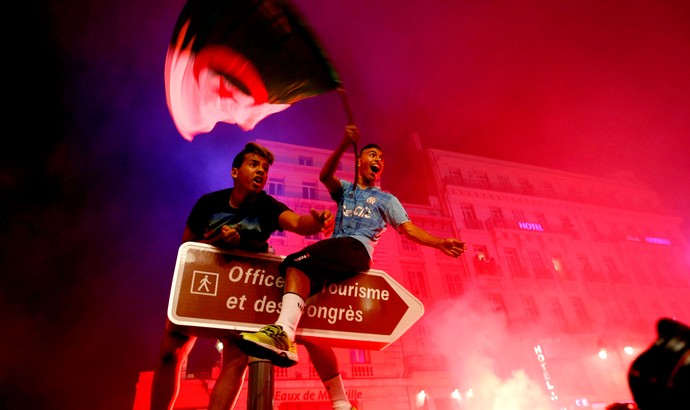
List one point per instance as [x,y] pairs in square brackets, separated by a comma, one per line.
[239,61]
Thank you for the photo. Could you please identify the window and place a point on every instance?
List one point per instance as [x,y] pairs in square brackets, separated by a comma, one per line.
[480,179]
[424,340]
[519,215]
[408,247]
[580,311]
[556,311]
[593,231]
[276,187]
[470,217]
[504,183]
[309,190]
[562,272]
[497,217]
[455,177]
[514,264]
[526,186]
[417,281]
[356,370]
[359,356]
[482,253]
[483,263]
[530,307]
[588,272]
[540,269]
[614,274]
[453,282]
[497,304]
[306,161]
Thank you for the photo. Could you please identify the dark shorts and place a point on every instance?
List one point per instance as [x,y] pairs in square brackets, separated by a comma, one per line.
[332,260]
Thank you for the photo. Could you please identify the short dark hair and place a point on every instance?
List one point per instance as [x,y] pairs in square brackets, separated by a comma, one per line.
[369,146]
[252,148]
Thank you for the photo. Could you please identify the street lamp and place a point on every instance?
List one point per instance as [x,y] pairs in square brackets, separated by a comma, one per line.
[421,399]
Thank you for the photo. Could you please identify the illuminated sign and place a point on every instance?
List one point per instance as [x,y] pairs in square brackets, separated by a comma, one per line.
[660,241]
[648,239]
[298,395]
[538,351]
[530,226]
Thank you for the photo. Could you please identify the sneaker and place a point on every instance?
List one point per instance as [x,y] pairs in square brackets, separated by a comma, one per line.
[269,343]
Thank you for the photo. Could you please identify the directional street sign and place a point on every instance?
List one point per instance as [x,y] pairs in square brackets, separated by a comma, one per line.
[234,290]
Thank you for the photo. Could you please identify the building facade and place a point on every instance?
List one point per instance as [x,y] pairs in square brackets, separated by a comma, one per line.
[563,281]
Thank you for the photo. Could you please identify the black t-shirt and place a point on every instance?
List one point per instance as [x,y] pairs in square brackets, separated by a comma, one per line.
[255,221]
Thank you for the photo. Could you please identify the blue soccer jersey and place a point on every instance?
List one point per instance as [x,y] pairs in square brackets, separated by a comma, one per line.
[363,213]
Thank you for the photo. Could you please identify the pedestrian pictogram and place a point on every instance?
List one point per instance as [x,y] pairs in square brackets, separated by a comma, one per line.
[204,283]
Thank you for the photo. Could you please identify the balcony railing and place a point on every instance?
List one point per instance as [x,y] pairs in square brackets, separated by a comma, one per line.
[361,370]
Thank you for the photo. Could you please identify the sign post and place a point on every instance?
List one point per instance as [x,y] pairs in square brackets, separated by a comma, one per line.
[221,290]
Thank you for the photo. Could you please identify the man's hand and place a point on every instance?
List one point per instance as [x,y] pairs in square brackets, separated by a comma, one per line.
[325,219]
[452,247]
[351,134]
[225,234]
[230,235]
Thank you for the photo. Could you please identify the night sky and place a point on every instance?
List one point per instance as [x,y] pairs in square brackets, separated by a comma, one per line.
[96,183]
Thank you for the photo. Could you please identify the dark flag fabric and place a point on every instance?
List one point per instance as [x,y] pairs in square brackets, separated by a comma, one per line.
[239,61]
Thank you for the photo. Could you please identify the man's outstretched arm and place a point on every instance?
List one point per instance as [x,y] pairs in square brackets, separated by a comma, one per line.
[327,174]
[450,246]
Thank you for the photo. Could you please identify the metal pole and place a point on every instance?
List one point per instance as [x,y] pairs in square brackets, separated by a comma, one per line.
[350,120]
[260,392]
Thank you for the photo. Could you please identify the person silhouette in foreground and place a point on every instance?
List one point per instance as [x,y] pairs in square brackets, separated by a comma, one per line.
[364,211]
[659,378]
[242,217]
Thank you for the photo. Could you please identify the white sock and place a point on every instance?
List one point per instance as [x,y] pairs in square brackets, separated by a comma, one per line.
[290,313]
[336,391]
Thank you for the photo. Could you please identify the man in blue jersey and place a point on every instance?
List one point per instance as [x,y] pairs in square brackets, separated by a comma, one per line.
[364,211]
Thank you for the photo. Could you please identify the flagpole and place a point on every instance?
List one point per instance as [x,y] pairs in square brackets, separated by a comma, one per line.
[350,120]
